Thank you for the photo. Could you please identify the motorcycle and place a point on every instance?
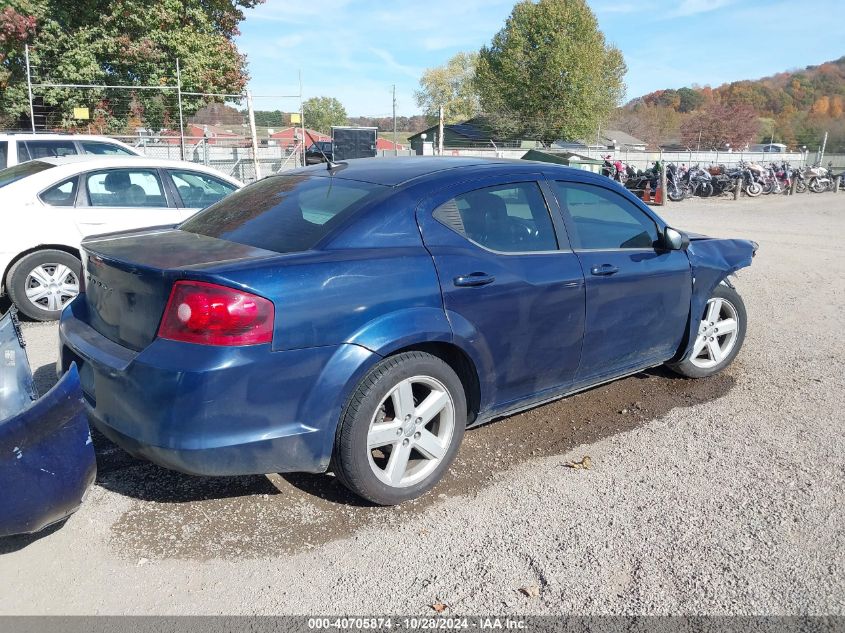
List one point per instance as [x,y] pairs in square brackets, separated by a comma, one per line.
[818,178]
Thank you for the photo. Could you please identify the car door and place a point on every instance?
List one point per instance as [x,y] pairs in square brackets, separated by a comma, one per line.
[123,198]
[512,288]
[195,190]
[638,294]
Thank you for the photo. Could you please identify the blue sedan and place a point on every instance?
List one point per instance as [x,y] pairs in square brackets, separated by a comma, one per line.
[360,316]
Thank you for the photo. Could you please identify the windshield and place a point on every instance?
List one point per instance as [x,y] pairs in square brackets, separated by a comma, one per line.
[13,174]
[284,214]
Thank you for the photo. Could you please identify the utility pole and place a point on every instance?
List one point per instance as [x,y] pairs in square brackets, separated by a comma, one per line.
[29,87]
[395,146]
[181,123]
[302,117]
[440,134]
[253,134]
[698,149]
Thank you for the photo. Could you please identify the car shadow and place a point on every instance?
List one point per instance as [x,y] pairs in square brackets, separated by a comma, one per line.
[10,544]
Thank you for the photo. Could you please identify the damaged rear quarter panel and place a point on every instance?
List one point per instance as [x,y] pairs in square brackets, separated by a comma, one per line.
[47,459]
[712,260]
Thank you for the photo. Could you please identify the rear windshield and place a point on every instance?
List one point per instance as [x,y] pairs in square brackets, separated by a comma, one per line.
[15,173]
[284,214]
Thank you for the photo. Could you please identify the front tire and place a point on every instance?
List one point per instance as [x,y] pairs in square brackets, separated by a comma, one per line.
[42,283]
[754,189]
[719,337]
[401,429]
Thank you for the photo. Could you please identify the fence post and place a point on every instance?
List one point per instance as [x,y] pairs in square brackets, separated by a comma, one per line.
[181,122]
[793,186]
[737,188]
[440,134]
[836,182]
[254,135]
[662,183]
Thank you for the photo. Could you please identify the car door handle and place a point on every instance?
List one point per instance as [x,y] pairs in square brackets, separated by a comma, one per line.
[604,269]
[474,279]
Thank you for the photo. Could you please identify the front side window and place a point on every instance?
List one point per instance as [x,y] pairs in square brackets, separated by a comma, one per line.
[104,149]
[4,154]
[200,190]
[507,218]
[125,188]
[61,195]
[603,219]
[284,214]
[49,149]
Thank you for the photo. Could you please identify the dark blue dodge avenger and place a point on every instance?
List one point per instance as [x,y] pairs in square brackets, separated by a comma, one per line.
[360,316]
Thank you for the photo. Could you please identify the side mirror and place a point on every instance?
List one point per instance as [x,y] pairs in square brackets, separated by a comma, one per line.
[674,240]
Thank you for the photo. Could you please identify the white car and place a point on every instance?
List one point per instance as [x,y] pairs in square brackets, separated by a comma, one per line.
[18,147]
[49,205]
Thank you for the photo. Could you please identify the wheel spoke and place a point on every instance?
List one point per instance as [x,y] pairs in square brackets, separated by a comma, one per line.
[403,400]
[61,272]
[398,463]
[40,275]
[429,445]
[39,292]
[431,406]
[54,302]
[713,310]
[726,326]
[715,351]
[383,433]
[700,342]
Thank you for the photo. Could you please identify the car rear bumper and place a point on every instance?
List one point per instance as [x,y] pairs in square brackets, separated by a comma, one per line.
[209,410]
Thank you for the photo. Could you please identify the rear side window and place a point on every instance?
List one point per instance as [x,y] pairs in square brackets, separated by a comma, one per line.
[50,149]
[22,170]
[284,214]
[508,218]
[4,154]
[603,219]
[102,149]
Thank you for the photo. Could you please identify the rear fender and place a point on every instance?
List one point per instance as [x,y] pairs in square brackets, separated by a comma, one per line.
[712,261]
[46,456]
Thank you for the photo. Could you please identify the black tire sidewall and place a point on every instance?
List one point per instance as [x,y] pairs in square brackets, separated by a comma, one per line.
[16,280]
[350,462]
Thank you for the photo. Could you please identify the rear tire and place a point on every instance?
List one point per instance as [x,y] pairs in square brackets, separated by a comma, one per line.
[42,283]
[719,335]
[401,429]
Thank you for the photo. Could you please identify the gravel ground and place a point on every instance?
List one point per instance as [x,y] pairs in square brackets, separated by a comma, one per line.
[718,496]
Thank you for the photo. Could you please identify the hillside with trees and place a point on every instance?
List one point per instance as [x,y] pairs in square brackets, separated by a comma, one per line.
[795,108]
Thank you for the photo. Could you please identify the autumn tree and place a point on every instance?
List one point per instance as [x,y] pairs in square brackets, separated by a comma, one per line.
[452,86]
[549,74]
[321,113]
[719,125]
[119,42]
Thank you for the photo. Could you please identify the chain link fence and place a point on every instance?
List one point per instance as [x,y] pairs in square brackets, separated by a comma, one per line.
[162,118]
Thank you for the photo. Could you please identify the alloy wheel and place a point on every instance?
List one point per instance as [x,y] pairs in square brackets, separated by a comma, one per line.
[411,431]
[717,334]
[51,286]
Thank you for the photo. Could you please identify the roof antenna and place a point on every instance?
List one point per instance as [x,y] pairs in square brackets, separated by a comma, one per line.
[330,164]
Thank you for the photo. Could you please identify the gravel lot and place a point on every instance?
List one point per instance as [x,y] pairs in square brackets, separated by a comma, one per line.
[719,496]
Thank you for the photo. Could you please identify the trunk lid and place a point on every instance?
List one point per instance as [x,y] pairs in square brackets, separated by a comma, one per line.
[128,277]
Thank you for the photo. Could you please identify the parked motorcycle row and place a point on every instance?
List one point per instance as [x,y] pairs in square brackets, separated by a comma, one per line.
[755,179]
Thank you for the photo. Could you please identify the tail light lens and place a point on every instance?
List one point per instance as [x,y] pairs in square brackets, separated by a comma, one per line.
[199,312]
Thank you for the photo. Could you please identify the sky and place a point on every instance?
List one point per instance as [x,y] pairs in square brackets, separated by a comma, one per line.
[357,50]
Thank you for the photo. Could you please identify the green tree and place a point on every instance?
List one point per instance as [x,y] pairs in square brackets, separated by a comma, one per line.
[548,74]
[451,86]
[689,100]
[119,42]
[321,113]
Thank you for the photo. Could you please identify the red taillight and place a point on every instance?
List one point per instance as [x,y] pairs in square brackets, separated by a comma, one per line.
[200,312]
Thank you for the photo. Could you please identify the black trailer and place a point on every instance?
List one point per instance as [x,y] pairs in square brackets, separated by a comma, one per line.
[353,142]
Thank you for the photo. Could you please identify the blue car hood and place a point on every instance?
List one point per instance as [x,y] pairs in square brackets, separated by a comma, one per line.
[46,456]
[712,260]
